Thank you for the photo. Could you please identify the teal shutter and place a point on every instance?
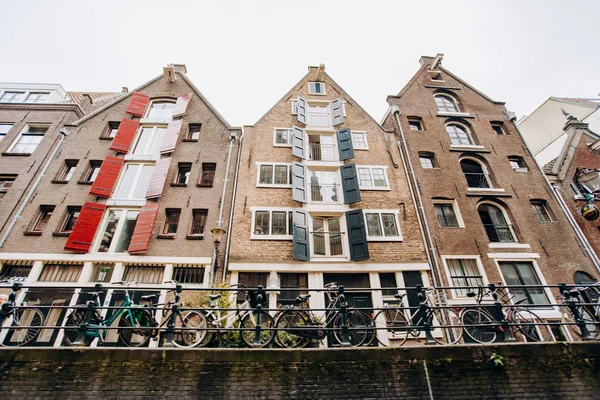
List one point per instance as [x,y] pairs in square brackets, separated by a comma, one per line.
[344,141]
[298,142]
[337,112]
[357,235]
[301,236]
[299,192]
[302,110]
[350,183]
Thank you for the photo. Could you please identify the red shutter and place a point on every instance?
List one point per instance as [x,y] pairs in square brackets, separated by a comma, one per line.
[82,235]
[137,105]
[171,135]
[124,137]
[107,177]
[181,105]
[143,229]
[159,177]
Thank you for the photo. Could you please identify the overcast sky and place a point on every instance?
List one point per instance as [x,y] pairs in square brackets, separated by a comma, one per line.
[244,55]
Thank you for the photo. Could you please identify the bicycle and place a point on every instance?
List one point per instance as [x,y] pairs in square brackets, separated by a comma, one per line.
[590,313]
[26,322]
[297,327]
[397,321]
[243,315]
[482,326]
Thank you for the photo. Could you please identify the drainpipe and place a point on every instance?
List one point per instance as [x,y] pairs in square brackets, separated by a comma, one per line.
[233,195]
[565,209]
[63,133]
[416,197]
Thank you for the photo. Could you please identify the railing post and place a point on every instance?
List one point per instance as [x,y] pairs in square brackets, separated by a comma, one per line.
[172,320]
[89,312]
[258,315]
[424,312]
[500,316]
[344,315]
[572,304]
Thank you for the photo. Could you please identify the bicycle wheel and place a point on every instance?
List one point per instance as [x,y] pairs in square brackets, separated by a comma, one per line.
[391,322]
[31,317]
[532,327]
[286,323]
[71,329]
[248,324]
[451,333]
[358,327]
[478,325]
[190,329]
[132,319]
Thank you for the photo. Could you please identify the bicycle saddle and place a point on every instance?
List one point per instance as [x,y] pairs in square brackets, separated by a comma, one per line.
[213,297]
[471,294]
[399,296]
[302,298]
[149,297]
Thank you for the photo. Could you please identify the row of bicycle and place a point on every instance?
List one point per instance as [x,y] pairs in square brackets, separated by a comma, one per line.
[297,326]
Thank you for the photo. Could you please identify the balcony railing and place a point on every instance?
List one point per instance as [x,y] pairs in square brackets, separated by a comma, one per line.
[322,152]
[324,193]
[327,244]
[499,233]
[319,120]
[478,180]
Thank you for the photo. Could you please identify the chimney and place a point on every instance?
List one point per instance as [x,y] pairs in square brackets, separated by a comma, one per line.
[433,62]
[169,73]
[181,68]
[124,89]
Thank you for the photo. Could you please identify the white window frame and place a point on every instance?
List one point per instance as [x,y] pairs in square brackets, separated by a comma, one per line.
[3,134]
[290,137]
[383,238]
[371,167]
[25,131]
[343,237]
[322,84]
[270,236]
[454,204]
[24,93]
[430,157]
[516,243]
[129,200]
[452,100]
[340,195]
[118,230]
[364,135]
[294,103]
[147,119]
[37,98]
[481,270]
[518,160]
[145,155]
[273,185]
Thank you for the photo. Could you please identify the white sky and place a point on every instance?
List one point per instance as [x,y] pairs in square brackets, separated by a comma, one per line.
[244,55]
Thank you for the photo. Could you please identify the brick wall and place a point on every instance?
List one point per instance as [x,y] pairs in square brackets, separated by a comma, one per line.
[548,371]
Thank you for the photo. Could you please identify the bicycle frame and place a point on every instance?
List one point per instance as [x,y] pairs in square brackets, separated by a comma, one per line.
[98,330]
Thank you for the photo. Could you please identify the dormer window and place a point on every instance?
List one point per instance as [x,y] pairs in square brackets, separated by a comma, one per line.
[316,88]
[37,97]
[446,103]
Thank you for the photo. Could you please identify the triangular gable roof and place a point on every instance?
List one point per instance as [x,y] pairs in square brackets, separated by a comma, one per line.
[125,95]
[561,162]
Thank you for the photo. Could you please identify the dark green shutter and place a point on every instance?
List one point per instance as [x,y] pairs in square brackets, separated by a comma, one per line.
[337,112]
[357,235]
[350,183]
[301,236]
[298,142]
[344,141]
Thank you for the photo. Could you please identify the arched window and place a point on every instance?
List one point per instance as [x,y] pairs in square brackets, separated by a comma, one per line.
[475,174]
[446,103]
[459,135]
[161,109]
[496,223]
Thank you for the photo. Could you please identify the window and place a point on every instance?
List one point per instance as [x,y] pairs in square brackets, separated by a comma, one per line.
[117,230]
[16,270]
[294,107]
[316,88]
[436,77]
[28,140]
[291,281]
[111,130]
[475,174]
[198,222]
[327,237]
[445,215]
[37,97]
[282,137]
[70,219]
[134,182]
[12,97]
[495,224]
[446,103]
[382,225]
[498,128]
[183,174]
[41,219]
[102,272]
[171,221]
[372,178]
[324,186]
[541,210]
[274,175]
[149,141]
[207,177]
[162,110]
[66,172]
[523,273]
[272,224]
[188,273]
[359,141]
[4,128]
[6,181]
[90,174]
[517,163]
[427,160]
[144,273]
[388,280]
[465,274]
[459,135]
[193,134]
[61,272]
[415,123]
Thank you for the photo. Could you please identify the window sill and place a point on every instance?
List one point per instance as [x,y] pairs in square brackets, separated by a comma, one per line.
[273,186]
[271,237]
[384,239]
[452,227]
[189,140]
[8,154]
[509,246]
[204,186]
[84,182]
[465,147]
[32,233]
[361,148]
[170,236]
[454,114]
[61,234]
[105,138]
[59,182]
[179,184]
[521,170]
[195,237]
[281,145]
[374,188]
